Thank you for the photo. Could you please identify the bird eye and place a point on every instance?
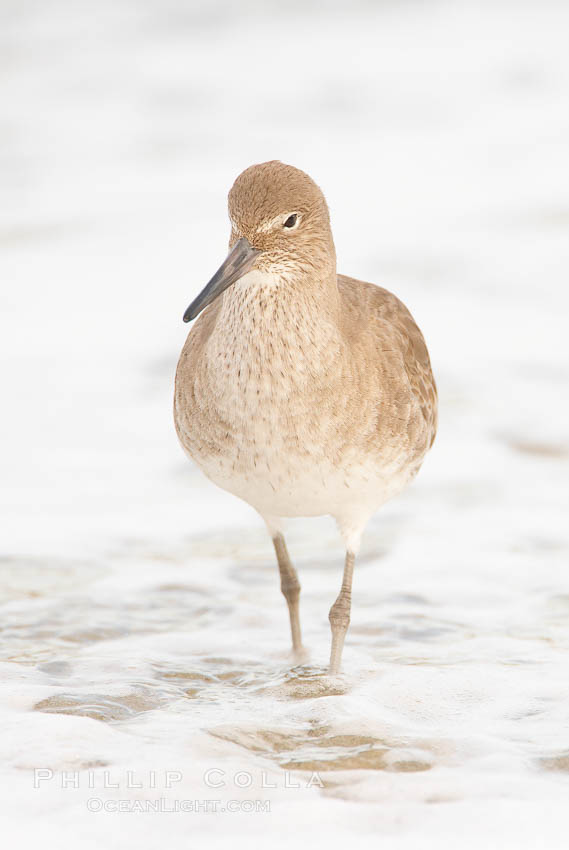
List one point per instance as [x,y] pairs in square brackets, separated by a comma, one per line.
[291,221]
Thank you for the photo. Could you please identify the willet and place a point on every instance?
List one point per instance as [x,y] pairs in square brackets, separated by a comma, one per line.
[302,391]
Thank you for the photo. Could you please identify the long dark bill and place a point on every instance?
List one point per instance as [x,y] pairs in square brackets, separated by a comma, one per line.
[237,263]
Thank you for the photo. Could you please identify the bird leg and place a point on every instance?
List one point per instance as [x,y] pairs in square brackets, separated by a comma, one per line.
[340,614]
[290,587]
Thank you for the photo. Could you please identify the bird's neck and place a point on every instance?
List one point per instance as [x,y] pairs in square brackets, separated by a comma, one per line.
[288,328]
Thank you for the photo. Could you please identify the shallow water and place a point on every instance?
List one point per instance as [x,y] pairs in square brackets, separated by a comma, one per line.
[132,670]
[144,647]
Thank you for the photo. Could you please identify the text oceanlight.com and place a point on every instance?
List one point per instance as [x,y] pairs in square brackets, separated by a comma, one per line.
[163,805]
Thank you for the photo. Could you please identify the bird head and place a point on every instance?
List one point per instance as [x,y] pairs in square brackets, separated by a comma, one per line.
[280,225]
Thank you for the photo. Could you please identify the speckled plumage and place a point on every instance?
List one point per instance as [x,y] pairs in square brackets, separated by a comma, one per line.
[302,391]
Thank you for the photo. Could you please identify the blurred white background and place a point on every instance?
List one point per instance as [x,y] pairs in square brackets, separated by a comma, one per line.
[439,133]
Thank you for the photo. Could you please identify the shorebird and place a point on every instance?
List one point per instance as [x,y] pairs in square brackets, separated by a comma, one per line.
[300,390]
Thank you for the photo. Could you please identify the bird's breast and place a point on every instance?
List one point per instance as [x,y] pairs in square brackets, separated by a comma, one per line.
[266,385]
